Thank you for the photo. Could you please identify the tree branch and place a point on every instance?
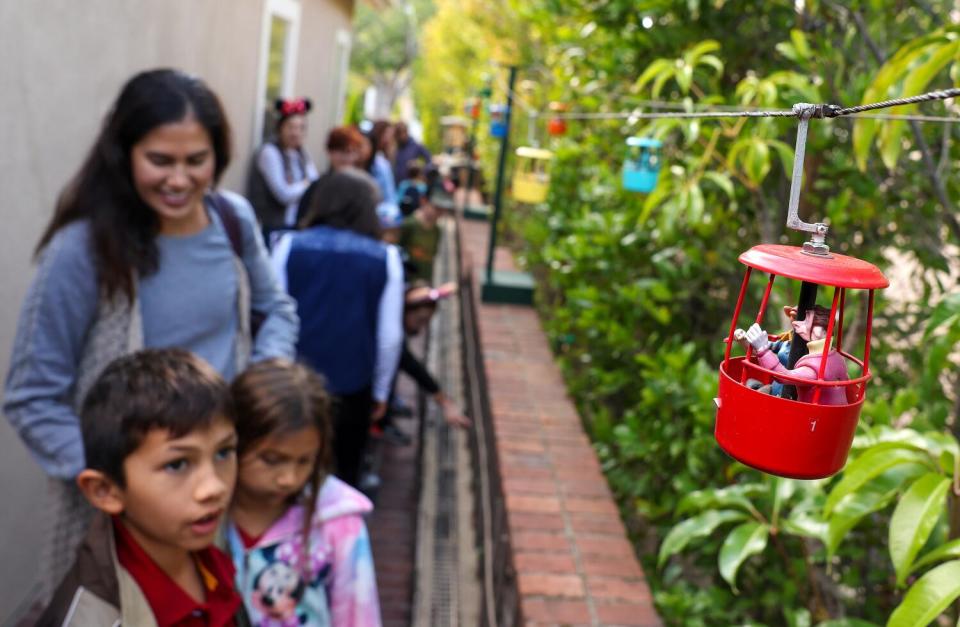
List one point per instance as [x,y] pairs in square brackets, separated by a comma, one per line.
[948,210]
[945,148]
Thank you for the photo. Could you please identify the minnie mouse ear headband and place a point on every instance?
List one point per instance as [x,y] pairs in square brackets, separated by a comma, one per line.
[295,106]
[429,295]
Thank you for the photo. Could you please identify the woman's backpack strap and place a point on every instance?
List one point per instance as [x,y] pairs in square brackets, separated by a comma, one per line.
[230,220]
[231,224]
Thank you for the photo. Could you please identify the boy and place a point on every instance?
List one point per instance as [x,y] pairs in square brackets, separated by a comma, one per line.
[410,191]
[420,237]
[420,303]
[158,432]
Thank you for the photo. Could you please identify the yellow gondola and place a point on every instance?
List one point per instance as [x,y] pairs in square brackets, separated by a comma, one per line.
[531,179]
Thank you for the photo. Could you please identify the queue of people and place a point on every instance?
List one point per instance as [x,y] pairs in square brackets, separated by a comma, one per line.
[201,403]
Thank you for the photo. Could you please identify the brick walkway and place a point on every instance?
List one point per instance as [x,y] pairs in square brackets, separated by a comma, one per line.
[393,523]
[574,563]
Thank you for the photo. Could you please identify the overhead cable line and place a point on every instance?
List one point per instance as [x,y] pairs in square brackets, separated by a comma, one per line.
[729,111]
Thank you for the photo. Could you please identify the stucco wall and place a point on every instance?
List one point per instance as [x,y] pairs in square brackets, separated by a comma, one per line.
[317,73]
[62,63]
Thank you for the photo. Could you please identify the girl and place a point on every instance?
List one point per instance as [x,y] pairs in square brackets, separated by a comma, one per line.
[296,535]
[136,255]
[283,169]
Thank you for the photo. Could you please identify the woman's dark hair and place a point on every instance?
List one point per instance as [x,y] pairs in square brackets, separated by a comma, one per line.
[277,397]
[123,227]
[344,200]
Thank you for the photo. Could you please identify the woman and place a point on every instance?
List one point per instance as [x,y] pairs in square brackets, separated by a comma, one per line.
[135,256]
[283,170]
[349,292]
[377,163]
[345,146]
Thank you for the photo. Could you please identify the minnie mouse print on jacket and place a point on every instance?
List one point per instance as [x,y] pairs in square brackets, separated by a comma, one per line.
[330,584]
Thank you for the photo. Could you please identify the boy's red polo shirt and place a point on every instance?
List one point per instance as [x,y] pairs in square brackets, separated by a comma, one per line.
[170,604]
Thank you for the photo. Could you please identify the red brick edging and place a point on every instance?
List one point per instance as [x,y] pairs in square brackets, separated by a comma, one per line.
[574,564]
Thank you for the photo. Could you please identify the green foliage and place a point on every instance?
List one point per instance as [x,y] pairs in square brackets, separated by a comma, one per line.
[385,48]
[385,40]
[745,540]
[681,70]
[919,469]
[697,527]
[929,597]
[909,72]
[636,291]
[913,520]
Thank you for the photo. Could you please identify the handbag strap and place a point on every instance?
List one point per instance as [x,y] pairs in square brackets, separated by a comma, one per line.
[230,220]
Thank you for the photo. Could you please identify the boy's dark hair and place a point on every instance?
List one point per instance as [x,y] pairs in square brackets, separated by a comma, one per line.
[414,168]
[170,389]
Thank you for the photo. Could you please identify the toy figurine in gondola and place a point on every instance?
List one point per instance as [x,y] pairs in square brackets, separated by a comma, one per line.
[804,432]
[775,357]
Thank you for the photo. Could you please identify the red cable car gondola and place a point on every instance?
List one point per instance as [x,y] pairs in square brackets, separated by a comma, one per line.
[807,438]
[557,125]
[787,437]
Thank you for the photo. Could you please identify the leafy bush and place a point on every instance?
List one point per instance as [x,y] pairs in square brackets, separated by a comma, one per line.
[636,291]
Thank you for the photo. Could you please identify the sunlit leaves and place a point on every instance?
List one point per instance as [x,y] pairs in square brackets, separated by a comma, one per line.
[699,526]
[914,518]
[928,597]
[681,70]
[909,72]
[745,540]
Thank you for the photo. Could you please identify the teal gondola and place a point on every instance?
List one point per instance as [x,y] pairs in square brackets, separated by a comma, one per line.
[641,169]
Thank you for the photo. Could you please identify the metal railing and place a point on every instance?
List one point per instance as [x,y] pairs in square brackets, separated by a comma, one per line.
[500,606]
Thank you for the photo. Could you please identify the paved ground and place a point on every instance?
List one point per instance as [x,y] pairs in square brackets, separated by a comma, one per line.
[393,524]
[422,527]
[574,564]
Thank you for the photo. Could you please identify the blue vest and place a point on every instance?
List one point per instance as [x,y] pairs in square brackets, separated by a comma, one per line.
[337,278]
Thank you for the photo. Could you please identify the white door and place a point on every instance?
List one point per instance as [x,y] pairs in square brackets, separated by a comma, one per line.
[279,37]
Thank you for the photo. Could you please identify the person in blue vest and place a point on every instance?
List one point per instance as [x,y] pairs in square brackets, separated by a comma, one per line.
[349,291]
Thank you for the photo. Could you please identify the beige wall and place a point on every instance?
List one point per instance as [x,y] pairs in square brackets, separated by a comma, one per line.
[317,75]
[61,64]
